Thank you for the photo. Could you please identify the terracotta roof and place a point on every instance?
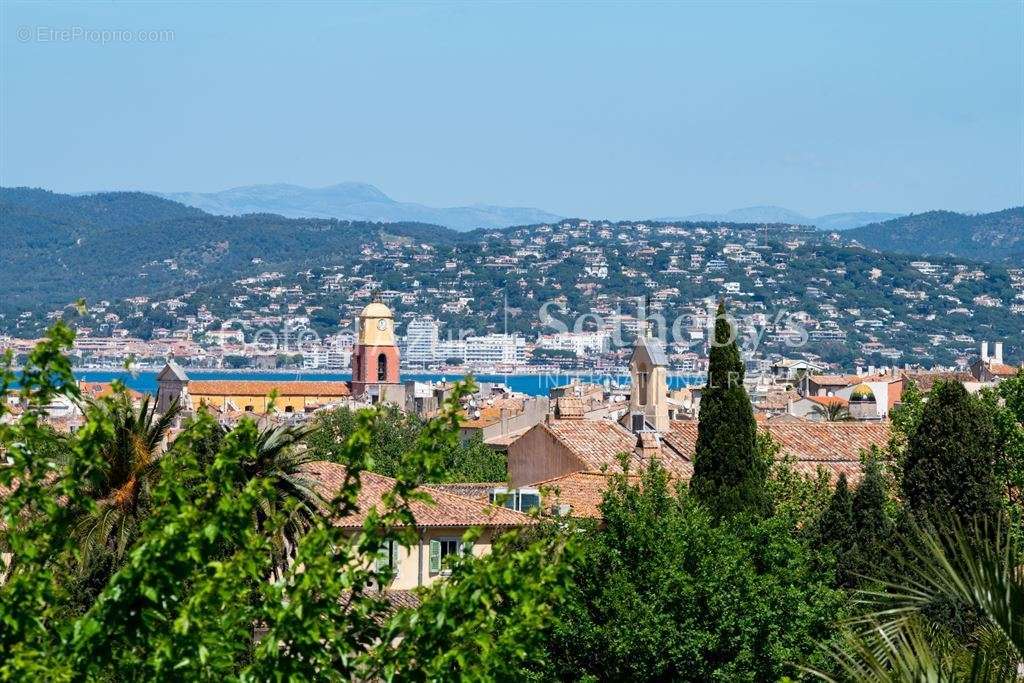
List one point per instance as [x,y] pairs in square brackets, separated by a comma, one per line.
[471,490]
[829,400]
[581,491]
[491,414]
[1002,370]
[834,380]
[103,389]
[596,443]
[569,407]
[448,510]
[778,400]
[835,445]
[232,387]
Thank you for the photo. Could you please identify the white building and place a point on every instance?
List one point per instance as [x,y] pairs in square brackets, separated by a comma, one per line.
[580,343]
[422,339]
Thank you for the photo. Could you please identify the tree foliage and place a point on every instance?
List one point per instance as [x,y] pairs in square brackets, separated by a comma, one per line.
[950,458]
[201,577]
[663,592]
[729,476]
[395,434]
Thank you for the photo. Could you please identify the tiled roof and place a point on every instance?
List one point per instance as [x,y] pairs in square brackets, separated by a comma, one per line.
[581,491]
[834,380]
[597,443]
[779,400]
[1002,370]
[835,445]
[471,490]
[448,510]
[926,380]
[231,387]
[491,414]
[103,389]
[569,407]
[829,400]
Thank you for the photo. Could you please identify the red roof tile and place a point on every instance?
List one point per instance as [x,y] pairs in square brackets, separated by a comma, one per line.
[597,443]
[448,510]
[834,445]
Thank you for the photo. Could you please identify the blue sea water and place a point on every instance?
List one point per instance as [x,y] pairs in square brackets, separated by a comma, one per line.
[533,385]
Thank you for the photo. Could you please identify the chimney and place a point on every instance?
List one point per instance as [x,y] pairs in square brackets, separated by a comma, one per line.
[999,353]
[984,352]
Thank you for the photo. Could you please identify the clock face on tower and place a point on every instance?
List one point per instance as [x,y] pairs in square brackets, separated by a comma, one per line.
[382,324]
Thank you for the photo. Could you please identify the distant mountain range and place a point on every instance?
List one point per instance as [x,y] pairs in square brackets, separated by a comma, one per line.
[354,202]
[364,202]
[997,236]
[778,214]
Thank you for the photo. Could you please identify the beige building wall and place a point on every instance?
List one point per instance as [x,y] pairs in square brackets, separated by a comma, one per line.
[538,456]
[258,404]
[414,561]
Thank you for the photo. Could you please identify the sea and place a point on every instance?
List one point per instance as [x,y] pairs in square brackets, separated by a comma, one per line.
[532,385]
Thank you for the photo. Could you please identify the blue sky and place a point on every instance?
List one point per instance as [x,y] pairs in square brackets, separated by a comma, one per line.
[598,110]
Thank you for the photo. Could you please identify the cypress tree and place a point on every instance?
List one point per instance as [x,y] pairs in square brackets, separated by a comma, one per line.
[950,460]
[837,531]
[729,473]
[872,526]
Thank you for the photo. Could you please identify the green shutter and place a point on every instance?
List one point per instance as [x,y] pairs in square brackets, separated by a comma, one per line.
[380,561]
[435,556]
[393,557]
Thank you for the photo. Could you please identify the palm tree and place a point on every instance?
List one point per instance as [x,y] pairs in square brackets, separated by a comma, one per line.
[904,635]
[130,468]
[279,456]
[833,411]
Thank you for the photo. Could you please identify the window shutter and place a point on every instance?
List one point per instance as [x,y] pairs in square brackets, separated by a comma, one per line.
[393,557]
[381,559]
[435,556]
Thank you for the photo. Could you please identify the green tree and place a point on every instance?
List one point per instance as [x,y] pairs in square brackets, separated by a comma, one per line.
[873,524]
[950,458]
[901,637]
[192,588]
[905,417]
[396,434]
[277,458]
[663,592]
[123,484]
[837,532]
[833,412]
[1005,403]
[729,476]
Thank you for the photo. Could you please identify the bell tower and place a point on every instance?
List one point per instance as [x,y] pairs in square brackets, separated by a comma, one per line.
[648,396]
[375,354]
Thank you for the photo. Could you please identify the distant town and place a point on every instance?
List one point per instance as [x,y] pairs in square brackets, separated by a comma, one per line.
[568,296]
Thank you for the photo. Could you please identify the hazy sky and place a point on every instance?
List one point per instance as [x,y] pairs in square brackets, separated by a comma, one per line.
[597,110]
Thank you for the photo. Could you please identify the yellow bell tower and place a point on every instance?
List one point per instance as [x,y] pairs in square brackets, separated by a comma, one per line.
[375,354]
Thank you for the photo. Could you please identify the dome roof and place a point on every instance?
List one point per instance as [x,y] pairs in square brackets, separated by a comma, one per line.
[376,309]
[862,392]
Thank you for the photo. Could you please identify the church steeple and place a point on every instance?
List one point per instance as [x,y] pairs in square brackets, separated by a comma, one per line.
[648,396]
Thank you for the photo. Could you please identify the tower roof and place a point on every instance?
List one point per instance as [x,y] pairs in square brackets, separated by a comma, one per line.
[652,348]
[376,309]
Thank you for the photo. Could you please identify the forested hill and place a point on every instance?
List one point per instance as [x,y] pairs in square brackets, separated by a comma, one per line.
[997,237]
[58,248]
